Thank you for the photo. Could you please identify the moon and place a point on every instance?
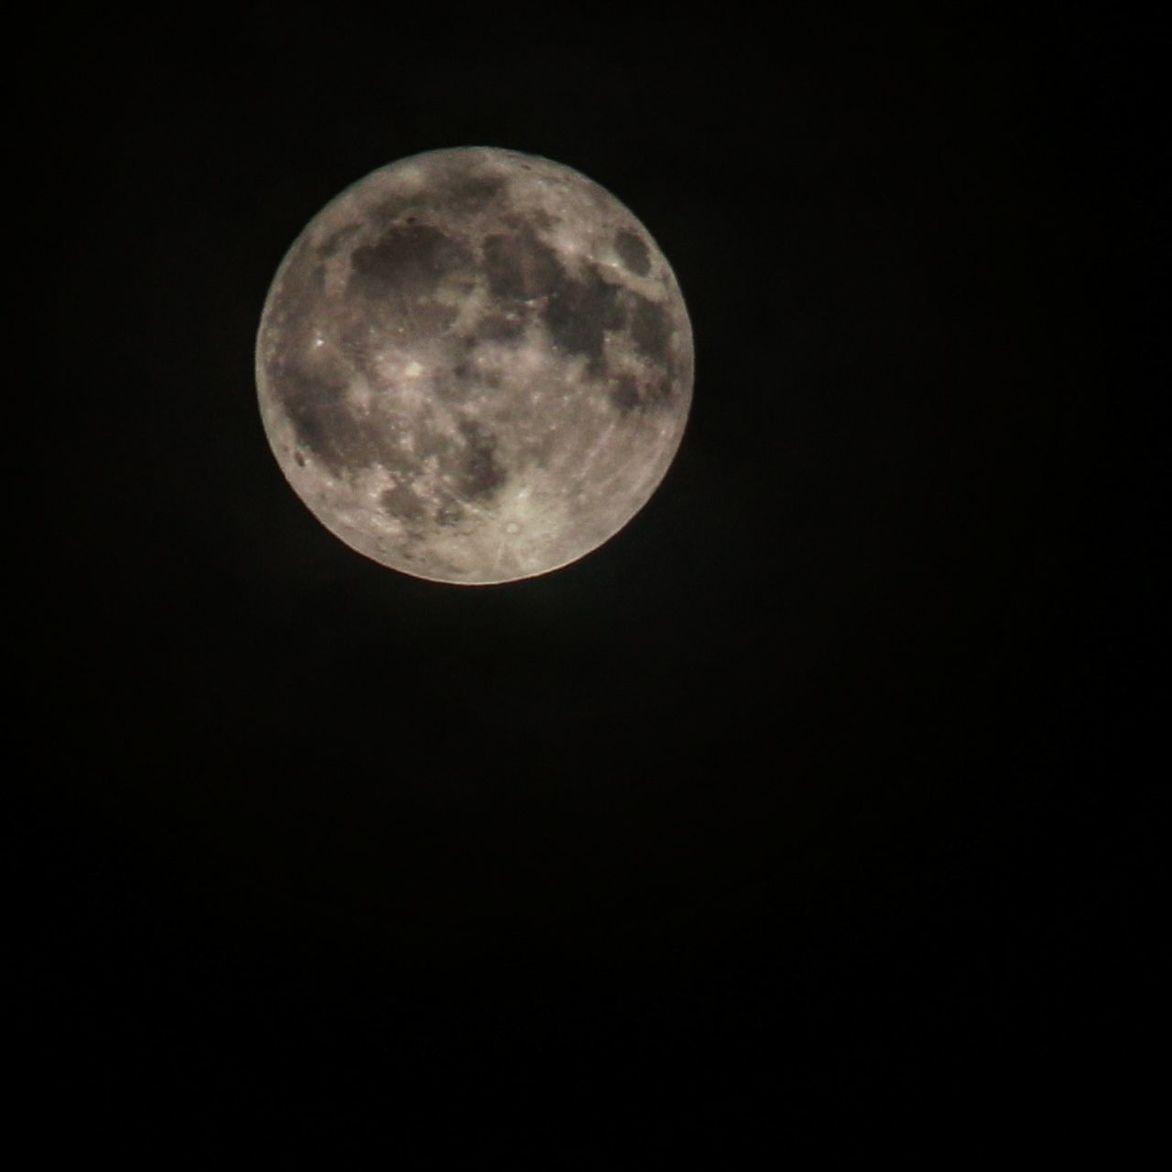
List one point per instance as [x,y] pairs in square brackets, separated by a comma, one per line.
[474,365]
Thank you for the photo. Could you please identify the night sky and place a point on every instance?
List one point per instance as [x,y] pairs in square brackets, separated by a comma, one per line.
[810,814]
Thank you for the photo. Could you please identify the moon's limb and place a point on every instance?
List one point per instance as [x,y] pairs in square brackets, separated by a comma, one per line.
[474,365]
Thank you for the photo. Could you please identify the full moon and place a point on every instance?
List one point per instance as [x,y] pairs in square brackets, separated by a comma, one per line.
[474,365]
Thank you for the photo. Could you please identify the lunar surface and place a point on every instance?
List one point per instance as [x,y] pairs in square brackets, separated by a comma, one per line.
[474,365]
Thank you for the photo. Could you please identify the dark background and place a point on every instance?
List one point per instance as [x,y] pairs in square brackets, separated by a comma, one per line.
[810,813]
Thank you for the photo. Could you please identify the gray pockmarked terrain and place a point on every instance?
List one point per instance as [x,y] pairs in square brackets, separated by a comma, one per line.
[474,365]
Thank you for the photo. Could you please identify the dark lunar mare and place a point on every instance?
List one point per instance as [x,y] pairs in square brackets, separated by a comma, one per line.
[407,261]
[481,474]
[518,266]
[633,252]
[651,331]
[580,312]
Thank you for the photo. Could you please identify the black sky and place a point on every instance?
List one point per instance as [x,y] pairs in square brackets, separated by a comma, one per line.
[810,811]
